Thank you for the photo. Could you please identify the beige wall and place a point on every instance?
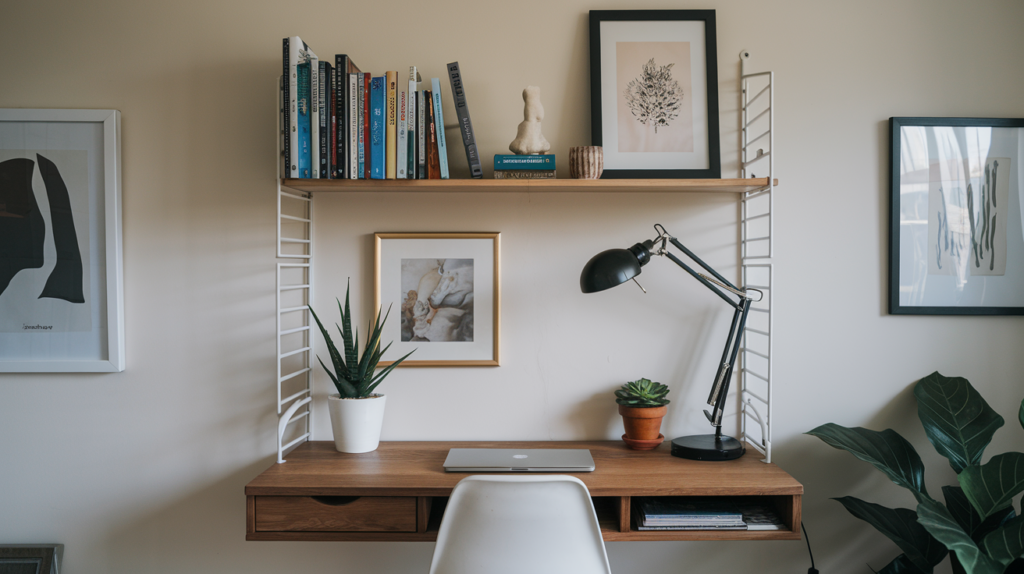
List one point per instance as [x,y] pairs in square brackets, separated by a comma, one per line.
[143,471]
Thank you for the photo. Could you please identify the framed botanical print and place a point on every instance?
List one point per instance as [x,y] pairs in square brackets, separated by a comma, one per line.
[61,302]
[446,290]
[654,93]
[956,243]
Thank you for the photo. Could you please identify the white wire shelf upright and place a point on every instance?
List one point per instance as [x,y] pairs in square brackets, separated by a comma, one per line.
[756,251]
[294,294]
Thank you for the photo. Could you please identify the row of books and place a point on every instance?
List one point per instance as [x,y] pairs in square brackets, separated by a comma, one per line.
[338,122]
[705,513]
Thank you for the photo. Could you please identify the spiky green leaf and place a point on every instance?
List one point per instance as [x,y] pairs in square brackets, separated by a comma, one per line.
[1020,414]
[351,350]
[940,524]
[886,450]
[901,565]
[1006,544]
[992,486]
[899,525]
[957,420]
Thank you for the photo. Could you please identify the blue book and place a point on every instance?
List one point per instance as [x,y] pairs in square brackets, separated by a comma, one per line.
[305,127]
[377,96]
[504,162]
[442,149]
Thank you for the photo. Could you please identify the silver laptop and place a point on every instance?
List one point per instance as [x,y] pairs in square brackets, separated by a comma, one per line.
[519,460]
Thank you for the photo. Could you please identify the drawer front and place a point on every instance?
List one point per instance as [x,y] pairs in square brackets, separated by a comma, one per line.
[336,513]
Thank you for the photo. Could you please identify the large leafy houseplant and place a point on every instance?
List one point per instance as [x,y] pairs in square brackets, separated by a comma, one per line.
[355,377]
[978,522]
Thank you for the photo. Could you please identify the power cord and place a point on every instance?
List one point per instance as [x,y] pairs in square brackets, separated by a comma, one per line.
[807,539]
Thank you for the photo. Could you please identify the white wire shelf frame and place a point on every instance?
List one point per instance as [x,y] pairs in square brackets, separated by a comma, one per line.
[757,144]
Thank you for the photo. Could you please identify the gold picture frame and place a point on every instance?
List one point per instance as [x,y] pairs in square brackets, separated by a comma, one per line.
[456,324]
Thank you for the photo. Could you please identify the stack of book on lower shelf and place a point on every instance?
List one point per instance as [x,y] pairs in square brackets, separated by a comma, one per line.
[704,513]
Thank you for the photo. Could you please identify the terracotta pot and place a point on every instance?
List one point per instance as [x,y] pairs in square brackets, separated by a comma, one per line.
[643,426]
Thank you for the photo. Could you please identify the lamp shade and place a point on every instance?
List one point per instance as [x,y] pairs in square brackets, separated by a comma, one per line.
[608,269]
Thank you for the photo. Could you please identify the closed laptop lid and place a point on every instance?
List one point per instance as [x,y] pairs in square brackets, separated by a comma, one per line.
[519,460]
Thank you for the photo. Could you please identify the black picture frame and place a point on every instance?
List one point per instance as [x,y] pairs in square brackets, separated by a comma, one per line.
[615,168]
[35,558]
[907,213]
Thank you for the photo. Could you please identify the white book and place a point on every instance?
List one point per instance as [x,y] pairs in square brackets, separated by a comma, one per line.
[314,116]
[353,128]
[402,158]
[410,117]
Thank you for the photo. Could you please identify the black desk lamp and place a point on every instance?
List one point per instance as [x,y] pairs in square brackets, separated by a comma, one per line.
[615,266]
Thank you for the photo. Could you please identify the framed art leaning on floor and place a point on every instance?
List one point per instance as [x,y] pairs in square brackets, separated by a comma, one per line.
[61,302]
[956,242]
[445,289]
[654,93]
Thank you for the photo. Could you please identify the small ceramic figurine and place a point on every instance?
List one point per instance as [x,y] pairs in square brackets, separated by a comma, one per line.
[529,140]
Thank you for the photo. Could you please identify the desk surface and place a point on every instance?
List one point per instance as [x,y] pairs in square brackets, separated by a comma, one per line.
[414,469]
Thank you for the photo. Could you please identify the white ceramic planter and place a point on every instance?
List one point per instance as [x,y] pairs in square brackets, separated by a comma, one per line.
[356,422]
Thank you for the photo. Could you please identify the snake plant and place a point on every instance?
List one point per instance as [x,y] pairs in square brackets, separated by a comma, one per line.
[643,394]
[978,522]
[355,376]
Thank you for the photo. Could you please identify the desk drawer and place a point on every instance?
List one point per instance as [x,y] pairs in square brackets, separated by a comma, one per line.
[336,513]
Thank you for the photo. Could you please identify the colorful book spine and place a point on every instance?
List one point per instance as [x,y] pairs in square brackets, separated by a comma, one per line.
[509,161]
[411,130]
[442,147]
[360,114]
[378,133]
[282,104]
[367,78]
[323,119]
[305,128]
[298,53]
[525,174]
[465,123]
[286,147]
[422,102]
[353,126]
[402,156]
[391,119]
[433,163]
[314,117]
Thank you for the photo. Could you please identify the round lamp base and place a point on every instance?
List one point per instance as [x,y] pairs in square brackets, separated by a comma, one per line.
[707,447]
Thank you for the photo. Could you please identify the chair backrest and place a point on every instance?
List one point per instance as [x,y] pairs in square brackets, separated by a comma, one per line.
[518,524]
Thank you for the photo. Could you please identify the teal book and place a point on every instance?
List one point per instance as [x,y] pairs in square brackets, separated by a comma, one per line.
[305,126]
[377,131]
[507,161]
[442,148]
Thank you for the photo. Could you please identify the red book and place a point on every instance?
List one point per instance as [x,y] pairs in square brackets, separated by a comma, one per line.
[433,159]
[366,123]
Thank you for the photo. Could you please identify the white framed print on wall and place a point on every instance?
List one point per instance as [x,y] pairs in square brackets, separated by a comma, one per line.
[446,290]
[61,281]
[654,93]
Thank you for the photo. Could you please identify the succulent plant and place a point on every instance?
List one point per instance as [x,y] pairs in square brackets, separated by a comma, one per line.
[355,377]
[643,393]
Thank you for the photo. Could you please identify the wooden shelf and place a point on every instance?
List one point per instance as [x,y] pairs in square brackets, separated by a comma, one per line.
[531,185]
[415,469]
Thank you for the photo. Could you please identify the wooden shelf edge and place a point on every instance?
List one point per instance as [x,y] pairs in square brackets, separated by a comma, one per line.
[608,535]
[526,185]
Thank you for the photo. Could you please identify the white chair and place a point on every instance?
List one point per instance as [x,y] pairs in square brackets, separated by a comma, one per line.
[520,524]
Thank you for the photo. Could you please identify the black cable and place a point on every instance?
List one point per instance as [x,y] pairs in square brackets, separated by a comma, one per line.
[807,539]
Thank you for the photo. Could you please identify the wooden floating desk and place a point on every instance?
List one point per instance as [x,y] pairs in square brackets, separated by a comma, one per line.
[398,492]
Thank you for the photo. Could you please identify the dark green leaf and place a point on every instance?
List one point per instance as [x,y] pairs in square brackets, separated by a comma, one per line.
[351,350]
[938,521]
[899,525]
[968,519]
[957,420]
[1006,544]
[992,486]
[901,565]
[887,451]
[1020,414]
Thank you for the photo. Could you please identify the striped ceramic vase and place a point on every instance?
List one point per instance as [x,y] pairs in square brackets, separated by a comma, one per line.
[586,162]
